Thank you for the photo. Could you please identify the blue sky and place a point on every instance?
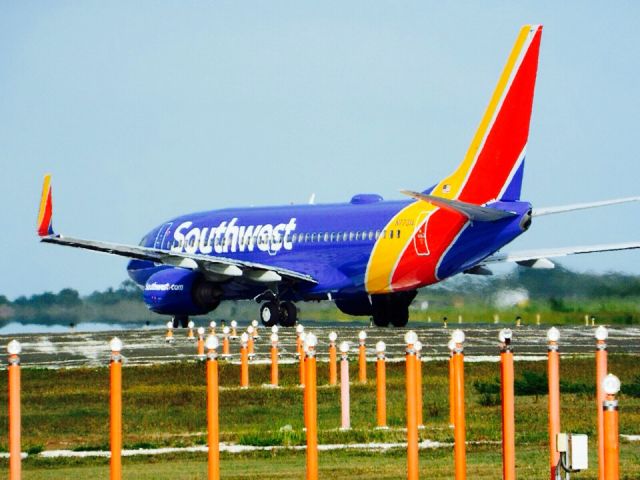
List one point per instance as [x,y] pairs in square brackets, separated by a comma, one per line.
[145,110]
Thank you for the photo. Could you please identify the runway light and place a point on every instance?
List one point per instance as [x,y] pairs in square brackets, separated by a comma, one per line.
[234,324]
[418,346]
[254,323]
[299,329]
[274,329]
[611,384]
[458,336]
[451,345]
[344,347]
[601,333]
[362,336]
[200,330]
[212,342]
[14,347]
[115,344]
[244,338]
[410,337]
[505,334]
[380,347]
[310,340]
[333,336]
[169,324]
[225,330]
[274,338]
[191,324]
[250,329]
[212,324]
[553,334]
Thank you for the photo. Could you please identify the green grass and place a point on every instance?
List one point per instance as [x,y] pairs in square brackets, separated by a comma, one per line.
[164,405]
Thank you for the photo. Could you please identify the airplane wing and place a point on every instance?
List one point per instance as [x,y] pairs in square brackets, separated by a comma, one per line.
[212,265]
[469,210]
[538,212]
[539,258]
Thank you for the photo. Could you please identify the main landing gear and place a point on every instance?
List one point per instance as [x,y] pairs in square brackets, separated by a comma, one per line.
[283,313]
[392,308]
[180,321]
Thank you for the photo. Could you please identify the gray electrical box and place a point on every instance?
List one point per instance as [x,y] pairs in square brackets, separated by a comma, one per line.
[578,454]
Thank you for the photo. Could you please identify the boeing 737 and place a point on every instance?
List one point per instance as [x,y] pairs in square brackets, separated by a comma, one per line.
[369,256]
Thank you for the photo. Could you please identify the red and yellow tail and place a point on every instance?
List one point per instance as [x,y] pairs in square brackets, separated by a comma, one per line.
[44,226]
[493,167]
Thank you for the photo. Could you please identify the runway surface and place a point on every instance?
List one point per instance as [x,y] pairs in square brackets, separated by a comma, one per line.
[147,346]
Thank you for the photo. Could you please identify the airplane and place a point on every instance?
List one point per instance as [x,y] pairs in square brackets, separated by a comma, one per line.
[368,255]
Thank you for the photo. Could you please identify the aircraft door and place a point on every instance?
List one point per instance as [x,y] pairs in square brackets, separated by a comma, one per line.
[420,236]
[163,235]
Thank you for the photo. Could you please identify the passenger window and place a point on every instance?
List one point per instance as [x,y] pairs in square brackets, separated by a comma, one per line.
[377,234]
[370,235]
[398,233]
[351,236]
[332,237]
[390,233]
[326,237]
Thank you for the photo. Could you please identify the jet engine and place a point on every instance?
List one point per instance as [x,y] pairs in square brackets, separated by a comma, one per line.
[178,291]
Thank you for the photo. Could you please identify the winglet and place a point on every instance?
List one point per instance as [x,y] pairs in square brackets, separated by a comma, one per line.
[44,226]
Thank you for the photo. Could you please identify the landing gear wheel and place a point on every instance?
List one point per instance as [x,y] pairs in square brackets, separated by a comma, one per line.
[400,317]
[269,314]
[380,316]
[180,321]
[288,314]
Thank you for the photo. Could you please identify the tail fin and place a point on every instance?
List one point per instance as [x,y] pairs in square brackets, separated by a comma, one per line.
[493,167]
[44,225]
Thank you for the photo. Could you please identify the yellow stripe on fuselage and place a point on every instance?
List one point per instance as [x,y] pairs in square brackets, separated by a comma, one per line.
[387,252]
[43,199]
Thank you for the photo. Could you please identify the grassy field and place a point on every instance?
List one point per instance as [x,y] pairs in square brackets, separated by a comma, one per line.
[164,405]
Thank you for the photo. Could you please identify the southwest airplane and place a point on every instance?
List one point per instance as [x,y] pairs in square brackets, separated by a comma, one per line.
[369,256]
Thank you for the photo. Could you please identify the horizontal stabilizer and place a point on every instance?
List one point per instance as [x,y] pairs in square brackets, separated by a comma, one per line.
[539,258]
[538,212]
[469,210]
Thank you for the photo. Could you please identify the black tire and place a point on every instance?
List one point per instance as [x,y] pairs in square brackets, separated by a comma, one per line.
[400,316]
[380,310]
[269,314]
[288,314]
[180,321]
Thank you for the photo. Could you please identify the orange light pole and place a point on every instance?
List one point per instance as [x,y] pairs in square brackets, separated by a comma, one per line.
[244,361]
[200,345]
[333,362]
[213,422]
[225,343]
[311,406]
[115,423]
[508,406]
[15,461]
[460,429]
[274,359]
[601,335]
[169,337]
[301,337]
[452,391]
[234,329]
[419,404]
[299,332]
[250,341]
[212,327]
[611,386]
[190,334]
[553,372]
[345,414]
[381,386]
[362,357]
[410,339]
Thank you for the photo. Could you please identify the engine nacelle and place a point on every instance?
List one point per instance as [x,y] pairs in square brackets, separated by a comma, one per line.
[178,291]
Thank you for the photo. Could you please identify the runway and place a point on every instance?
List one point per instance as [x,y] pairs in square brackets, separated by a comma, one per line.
[148,346]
